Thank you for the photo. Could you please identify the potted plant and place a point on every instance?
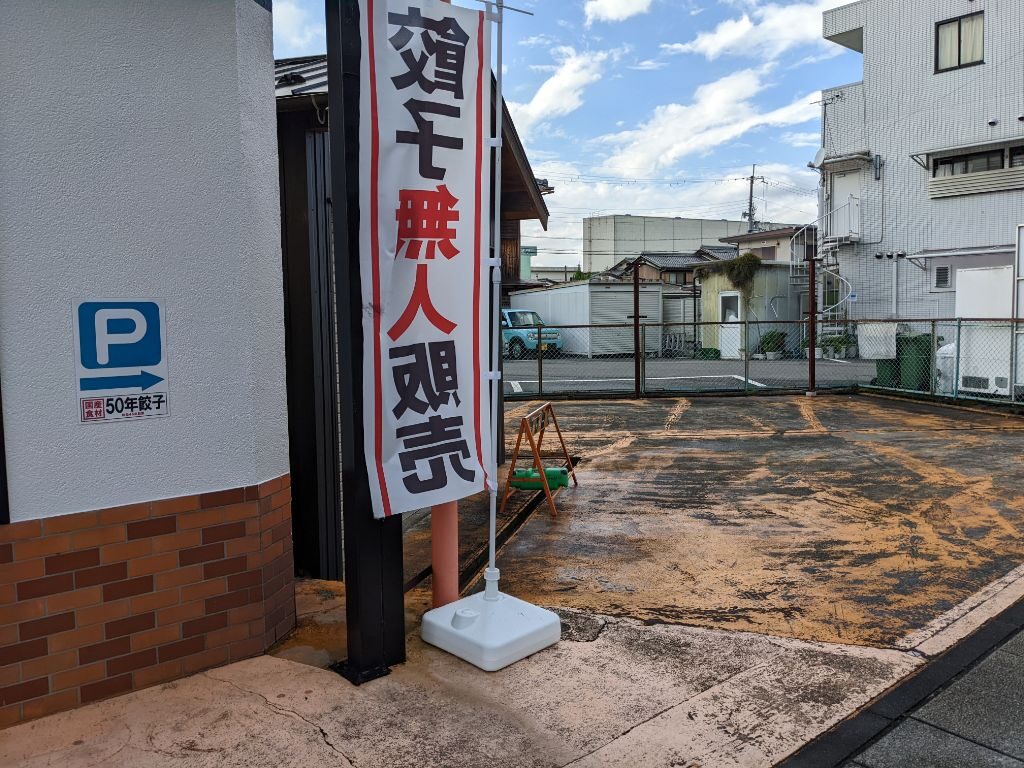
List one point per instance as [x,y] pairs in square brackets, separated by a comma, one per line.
[832,346]
[825,346]
[772,344]
[818,352]
[849,346]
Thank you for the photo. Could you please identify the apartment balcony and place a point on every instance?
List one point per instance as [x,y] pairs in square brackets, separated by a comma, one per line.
[845,25]
[843,224]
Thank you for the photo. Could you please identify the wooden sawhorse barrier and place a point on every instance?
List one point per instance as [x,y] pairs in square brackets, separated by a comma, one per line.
[534,427]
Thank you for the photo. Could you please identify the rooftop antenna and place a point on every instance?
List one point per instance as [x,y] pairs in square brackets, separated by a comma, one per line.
[489,629]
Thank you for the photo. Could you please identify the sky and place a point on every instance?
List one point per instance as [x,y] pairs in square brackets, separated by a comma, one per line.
[654,107]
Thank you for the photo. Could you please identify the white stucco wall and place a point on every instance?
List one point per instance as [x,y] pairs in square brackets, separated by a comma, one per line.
[138,159]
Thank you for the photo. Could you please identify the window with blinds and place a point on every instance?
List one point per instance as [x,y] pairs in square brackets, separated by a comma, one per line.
[1017,157]
[960,42]
[943,277]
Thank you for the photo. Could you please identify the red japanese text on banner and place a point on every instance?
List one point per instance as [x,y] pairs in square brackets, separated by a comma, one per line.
[425,117]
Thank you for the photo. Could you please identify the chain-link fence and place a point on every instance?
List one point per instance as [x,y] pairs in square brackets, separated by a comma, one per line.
[569,360]
[961,359]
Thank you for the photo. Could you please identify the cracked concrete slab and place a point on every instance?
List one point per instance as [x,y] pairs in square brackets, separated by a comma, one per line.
[614,692]
[198,722]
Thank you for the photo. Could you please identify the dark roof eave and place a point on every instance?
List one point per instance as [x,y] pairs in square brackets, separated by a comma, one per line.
[511,135]
[297,101]
[746,237]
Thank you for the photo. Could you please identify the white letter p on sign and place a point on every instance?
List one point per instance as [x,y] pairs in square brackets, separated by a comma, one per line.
[104,338]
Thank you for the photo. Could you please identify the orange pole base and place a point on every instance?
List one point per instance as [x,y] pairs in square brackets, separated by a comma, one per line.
[444,550]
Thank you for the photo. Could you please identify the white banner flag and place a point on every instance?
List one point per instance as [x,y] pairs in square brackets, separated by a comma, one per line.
[424,168]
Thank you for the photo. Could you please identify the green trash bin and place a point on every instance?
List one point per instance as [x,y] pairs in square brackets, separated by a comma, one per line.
[887,373]
[914,358]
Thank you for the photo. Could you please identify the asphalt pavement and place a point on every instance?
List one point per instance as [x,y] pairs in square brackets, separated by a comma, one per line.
[570,375]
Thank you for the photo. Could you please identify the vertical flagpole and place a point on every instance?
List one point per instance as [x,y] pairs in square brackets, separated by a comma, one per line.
[489,629]
[492,574]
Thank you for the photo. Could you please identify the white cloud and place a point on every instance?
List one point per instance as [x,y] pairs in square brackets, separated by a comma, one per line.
[720,112]
[765,31]
[614,10]
[648,65]
[803,139]
[724,197]
[562,93]
[296,31]
[535,40]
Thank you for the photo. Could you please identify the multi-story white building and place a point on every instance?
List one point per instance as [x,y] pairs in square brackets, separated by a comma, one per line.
[607,240]
[923,160]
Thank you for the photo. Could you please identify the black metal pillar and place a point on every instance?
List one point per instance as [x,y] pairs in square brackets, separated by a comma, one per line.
[374,599]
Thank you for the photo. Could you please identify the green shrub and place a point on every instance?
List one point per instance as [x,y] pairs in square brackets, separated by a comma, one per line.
[772,341]
[739,271]
[710,353]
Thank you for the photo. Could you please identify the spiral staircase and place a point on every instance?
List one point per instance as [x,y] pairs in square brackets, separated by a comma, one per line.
[825,237]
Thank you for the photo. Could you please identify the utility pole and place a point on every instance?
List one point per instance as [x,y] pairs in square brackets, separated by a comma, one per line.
[751,213]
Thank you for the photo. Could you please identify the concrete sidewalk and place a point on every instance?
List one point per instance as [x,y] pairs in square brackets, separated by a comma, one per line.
[976,721]
[613,692]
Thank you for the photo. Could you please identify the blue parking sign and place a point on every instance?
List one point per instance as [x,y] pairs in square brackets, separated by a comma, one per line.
[121,350]
[118,334]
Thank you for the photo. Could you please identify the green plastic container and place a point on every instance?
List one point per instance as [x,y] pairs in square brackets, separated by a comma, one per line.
[888,373]
[914,355]
[912,367]
[529,479]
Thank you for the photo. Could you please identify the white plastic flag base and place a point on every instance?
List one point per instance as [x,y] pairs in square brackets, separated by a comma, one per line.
[491,634]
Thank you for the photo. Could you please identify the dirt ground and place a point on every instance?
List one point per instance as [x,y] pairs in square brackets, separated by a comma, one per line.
[848,519]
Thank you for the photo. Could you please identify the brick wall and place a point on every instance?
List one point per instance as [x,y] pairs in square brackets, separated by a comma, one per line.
[99,603]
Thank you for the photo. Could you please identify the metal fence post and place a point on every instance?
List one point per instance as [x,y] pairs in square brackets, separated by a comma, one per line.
[636,329]
[956,378]
[933,374]
[746,354]
[1013,359]
[812,325]
[643,359]
[540,359]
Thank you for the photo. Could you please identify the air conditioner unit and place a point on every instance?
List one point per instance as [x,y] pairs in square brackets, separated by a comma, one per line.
[985,359]
[985,346]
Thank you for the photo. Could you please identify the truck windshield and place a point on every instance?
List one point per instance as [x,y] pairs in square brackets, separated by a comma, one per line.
[524,319]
